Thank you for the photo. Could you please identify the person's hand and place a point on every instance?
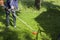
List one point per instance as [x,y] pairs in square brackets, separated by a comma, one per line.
[12,7]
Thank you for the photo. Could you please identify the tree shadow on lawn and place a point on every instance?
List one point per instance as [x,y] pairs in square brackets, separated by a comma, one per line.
[28,3]
[27,36]
[50,20]
[8,34]
[2,15]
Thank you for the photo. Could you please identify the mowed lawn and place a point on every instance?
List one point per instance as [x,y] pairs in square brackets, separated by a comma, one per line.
[30,20]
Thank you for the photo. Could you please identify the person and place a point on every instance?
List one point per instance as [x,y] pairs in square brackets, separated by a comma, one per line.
[11,6]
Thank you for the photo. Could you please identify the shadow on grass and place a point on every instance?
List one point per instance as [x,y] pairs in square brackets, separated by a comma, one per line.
[8,34]
[28,3]
[26,36]
[2,15]
[50,20]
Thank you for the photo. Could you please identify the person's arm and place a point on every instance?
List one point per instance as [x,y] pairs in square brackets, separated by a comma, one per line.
[1,2]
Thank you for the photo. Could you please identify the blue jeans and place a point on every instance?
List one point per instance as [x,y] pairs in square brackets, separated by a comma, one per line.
[7,16]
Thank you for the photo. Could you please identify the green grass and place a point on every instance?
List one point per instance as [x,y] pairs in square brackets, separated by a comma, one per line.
[47,18]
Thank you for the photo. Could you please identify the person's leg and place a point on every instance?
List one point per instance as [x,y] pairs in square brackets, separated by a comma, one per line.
[7,17]
[14,17]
